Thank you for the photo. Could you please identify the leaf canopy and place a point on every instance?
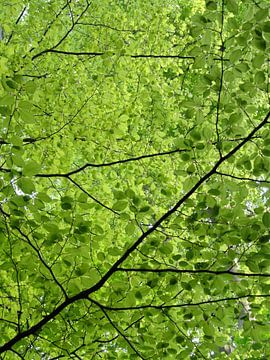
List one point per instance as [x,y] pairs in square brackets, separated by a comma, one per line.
[134,175]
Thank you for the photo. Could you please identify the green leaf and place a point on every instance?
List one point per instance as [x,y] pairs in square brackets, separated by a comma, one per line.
[173,281]
[258,60]
[11,84]
[253,266]
[260,44]
[179,339]
[130,229]
[264,239]
[30,168]
[261,14]
[138,295]
[266,26]
[266,152]
[266,219]
[120,205]
[260,77]
[26,185]
[7,100]
[144,209]
[231,6]
[26,116]
[66,205]
[211,5]
[235,55]
[44,197]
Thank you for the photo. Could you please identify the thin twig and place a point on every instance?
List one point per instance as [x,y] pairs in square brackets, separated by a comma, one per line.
[111,163]
[190,271]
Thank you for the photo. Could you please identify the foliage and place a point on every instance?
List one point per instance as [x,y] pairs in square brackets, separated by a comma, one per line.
[134,171]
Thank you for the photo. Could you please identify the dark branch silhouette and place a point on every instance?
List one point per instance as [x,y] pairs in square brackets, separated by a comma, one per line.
[187,271]
[222,48]
[242,178]
[91,196]
[189,304]
[26,237]
[111,163]
[97,53]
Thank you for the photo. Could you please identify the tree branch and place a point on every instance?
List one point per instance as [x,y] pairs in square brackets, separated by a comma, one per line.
[189,304]
[91,196]
[94,54]
[118,330]
[222,49]
[186,271]
[42,261]
[111,163]
[17,22]
[242,178]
